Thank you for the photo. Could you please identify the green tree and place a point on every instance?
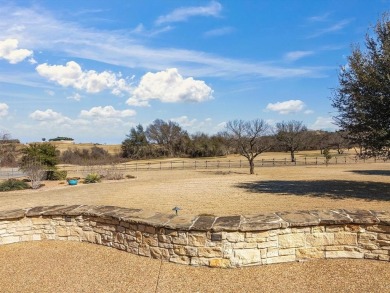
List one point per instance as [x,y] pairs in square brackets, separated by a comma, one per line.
[363,96]
[135,145]
[37,161]
[44,154]
[249,139]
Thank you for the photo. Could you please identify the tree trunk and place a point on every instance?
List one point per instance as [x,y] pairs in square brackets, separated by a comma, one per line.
[251,166]
[292,156]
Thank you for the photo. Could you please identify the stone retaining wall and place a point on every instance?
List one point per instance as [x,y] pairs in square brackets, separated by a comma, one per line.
[231,241]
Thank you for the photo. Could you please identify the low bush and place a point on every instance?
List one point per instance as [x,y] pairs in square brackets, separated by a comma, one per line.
[92,178]
[94,156]
[113,174]
[56,175]
[13,184]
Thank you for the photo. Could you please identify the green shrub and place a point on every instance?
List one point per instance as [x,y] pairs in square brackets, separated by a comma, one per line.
[13,184]
[56,175]
[92,178]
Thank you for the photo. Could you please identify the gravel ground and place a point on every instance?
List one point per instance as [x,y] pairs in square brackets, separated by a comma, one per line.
[54,266]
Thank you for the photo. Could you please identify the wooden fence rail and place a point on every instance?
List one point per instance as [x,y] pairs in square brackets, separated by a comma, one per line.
[215,164]
[190,164]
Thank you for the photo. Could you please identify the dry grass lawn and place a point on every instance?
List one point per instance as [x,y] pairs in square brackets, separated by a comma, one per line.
[226,192]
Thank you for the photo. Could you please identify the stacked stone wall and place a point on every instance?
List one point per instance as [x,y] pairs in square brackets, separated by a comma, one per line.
[227,242]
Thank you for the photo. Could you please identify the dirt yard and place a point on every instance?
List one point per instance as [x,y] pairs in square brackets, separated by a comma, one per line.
[226,192]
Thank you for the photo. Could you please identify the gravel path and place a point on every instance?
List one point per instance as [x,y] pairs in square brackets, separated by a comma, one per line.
[54,266]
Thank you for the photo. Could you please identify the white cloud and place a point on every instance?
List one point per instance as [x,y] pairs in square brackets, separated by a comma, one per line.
[71,75]
[42,31]
[193,125]
[319,18]
[219,32]
[286,107]
[50,92]
[184,13]
[141,30]
[106,112]
[295,55]
[184,121]
[324,123]
[10,52]
[331,29]
[221,126]
[3,109]
[47,115]
[107,120]
[169,87]
[32,61]
[76,97]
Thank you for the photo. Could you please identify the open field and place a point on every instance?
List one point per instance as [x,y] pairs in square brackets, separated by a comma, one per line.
[226,192]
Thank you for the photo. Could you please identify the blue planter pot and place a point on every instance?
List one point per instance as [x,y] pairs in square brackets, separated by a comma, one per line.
[73,181]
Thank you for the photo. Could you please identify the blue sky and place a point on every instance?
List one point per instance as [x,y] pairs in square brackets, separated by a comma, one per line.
[91,70]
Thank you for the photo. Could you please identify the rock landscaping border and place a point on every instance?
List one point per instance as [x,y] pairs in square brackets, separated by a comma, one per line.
[205,240]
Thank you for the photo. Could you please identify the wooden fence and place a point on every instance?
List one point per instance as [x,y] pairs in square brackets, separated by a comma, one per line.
[191,164]
[214,164]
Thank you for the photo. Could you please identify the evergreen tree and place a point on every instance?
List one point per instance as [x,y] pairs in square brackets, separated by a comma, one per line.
[363,97]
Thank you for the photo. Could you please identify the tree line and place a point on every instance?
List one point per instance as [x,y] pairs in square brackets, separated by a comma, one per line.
[168,139]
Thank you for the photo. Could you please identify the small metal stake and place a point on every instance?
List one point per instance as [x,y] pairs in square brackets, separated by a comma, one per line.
[176,209]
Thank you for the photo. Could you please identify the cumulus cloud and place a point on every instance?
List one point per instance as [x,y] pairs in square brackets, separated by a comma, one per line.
[47,115]
[183,13]
[106,112]
[10,52]
[72,75]
[286,107]
[295,55]
[169,87]
[3,109]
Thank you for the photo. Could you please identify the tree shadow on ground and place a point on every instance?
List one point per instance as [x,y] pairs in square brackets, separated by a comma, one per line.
[372,172]
[335,189]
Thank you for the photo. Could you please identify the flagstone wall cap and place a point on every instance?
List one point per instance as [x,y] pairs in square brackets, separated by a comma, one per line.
[259,222]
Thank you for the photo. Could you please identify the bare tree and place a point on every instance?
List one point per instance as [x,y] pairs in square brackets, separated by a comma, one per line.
[8,150]
[249,138]
[292,135]
[35,172]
